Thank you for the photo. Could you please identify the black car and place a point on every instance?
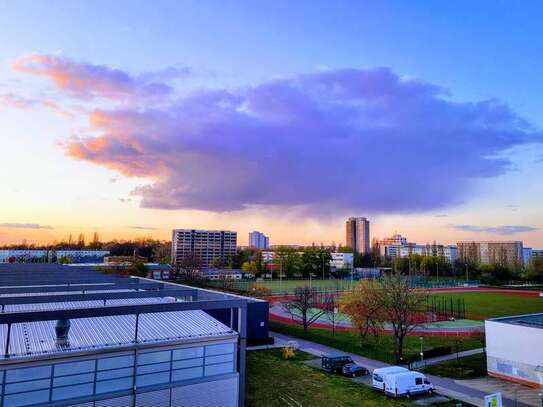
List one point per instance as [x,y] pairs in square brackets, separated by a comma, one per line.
[354,370]
[333,363]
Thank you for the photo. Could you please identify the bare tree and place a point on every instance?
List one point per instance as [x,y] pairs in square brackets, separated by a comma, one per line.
[330,306]
[305,307]
[402,306]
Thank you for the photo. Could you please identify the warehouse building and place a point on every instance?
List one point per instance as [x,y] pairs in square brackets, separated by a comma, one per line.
[76,337]
[514,348]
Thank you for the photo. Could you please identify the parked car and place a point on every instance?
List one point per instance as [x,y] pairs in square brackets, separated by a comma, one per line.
[334,362]
[354,370]
[379,376]
[407,384]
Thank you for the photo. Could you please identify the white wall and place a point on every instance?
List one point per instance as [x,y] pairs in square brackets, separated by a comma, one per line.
[514,342]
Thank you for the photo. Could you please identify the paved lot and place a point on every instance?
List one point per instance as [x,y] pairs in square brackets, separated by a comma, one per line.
[513,391]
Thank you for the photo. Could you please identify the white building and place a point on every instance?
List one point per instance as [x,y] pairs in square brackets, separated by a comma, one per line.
[259,240]
[342,260]
[448,252]
[514,348]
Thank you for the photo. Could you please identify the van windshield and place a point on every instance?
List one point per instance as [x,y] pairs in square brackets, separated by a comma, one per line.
[377,378]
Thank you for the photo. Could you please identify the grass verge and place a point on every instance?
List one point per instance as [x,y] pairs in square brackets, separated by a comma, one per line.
[468,367]
[382,349]
[273,381]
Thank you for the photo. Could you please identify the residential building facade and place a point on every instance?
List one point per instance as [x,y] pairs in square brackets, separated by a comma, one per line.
[390,247]
[259,240]
[202,248]
[358,234]
[506,253]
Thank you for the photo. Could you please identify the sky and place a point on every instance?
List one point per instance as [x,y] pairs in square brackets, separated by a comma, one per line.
[131,118]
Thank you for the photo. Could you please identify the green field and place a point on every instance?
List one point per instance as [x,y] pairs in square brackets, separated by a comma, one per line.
[275,382]
[488,304]
[382,349]
[468,367]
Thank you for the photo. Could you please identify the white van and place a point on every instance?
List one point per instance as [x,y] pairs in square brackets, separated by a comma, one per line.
[379,375]
[407,384]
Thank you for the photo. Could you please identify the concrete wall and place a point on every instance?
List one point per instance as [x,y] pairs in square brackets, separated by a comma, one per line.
[515,352]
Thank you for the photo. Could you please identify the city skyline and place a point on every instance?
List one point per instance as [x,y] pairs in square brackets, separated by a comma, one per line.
[141,120]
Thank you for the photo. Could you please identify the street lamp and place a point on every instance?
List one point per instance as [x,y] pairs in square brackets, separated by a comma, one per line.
[421,348]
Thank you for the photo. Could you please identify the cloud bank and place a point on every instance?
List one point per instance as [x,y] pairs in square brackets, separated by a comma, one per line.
[501,230]
[345,140]
[24,226]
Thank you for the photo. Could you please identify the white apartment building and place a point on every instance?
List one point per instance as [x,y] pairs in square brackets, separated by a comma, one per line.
[342,260]
[259,240]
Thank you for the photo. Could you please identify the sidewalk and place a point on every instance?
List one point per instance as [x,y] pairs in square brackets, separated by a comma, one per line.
[444,386]
[444,358]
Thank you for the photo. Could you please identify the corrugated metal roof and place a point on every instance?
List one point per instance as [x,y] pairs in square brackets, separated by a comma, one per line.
[90,334]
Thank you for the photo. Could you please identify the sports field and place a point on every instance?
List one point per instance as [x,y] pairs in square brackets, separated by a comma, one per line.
[492,304]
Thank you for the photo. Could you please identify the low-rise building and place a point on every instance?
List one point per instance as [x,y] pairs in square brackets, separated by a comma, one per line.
[104,340]
[514,348]
[52,256]
[342,260]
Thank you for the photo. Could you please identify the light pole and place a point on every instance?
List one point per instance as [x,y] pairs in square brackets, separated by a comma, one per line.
[281,275]
[421,348]
[322,258]
[467,273]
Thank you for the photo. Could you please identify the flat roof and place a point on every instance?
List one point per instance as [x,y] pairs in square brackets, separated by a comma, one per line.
[106,311]
[31,339]
[529,320]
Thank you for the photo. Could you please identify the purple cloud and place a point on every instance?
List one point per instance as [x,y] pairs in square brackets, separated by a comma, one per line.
[501,230]
[334,141]
[88,80]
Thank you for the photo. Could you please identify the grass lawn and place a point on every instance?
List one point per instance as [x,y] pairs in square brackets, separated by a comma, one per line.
[468,367]
[349,341]
[273,381]
[497,304]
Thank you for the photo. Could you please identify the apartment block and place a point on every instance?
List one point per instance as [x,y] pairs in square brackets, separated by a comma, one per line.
[507,253]
[202,247]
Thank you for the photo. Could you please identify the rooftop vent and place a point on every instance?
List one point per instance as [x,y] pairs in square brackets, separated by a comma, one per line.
[62,328]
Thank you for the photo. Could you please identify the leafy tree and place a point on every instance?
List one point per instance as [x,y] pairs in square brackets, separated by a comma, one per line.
[249,267]
[287,259]
[363,307]
[534,270]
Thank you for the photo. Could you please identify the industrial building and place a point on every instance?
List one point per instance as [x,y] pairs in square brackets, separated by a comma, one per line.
[202,248]
[513,348]
[78,337]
